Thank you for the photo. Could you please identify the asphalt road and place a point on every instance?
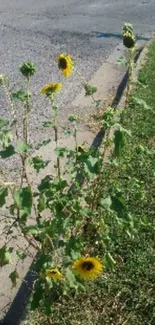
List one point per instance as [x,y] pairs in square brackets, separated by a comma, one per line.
[89,30]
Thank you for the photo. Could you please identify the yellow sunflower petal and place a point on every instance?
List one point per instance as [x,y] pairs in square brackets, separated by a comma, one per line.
[65,64]
[88,268]
[50,89]
[53,274]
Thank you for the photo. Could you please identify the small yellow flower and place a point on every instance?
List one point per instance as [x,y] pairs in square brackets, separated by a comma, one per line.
[129,40]
[53,274]
[88,268]
[65,63]
[51,89]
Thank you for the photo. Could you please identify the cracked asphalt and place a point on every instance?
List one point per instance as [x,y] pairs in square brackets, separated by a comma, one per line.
[88,30]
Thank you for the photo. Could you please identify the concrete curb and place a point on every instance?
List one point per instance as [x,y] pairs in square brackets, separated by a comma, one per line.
[106,75]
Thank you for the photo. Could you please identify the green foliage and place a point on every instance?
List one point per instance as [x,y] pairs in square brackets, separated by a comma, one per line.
[21,147]
[37,295]
[122,62]
[21,254]
[108,118]
[8,152]
[5,138]
[142,102]
[5,256]
[21,95]
[47,124]
[119,141]
[90,90]
[28,69]
[42,144]
[73,118]
[3,195]
[142,78]
[14,276]
[38,163]
[91,204]
[23,200]
[109,262]
[3,123]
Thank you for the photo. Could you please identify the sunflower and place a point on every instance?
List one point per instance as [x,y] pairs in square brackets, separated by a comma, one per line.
[53,274]
[88,267]
[129,40]
[51,89]
[65,63]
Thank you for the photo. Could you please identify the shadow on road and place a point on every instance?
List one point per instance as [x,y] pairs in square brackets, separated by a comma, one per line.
[119,36]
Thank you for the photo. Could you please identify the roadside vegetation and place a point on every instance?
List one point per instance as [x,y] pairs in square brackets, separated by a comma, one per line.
[96,257]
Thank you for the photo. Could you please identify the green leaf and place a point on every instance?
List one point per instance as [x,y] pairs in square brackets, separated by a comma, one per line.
[108,117]
[74,254]
[106,202]
[21,254]
[66,223]
[41,203]
[43,143]
[38,163]
[71,278]
[33,230]
[6,137]
[3,123]
[60,152]
[119,141]
[141,102]
[91,166]
[37,295]
[47,124]
[97,103]
[5,256]
[21,147]
[45,184]
[41,261]
[20,95]
[142,78]
[8,152]
[90,90]
[3,195]
[13,277]
[23,200]
[73,118]
[68,131]
[122,61]
[118,203]
[72,244]
[109,262]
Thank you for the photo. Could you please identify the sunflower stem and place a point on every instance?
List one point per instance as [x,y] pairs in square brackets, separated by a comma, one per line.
[25,135]
[5,85]
[56,134]
[130,75]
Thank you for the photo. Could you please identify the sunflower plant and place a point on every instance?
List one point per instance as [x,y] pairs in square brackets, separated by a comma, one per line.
[70,231]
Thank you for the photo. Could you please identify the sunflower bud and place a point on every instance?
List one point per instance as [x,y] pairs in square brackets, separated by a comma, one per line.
[127,28]
[129,40]
[28,69]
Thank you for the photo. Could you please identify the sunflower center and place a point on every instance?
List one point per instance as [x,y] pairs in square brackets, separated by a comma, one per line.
[87,265]
[62,63]
[53,272]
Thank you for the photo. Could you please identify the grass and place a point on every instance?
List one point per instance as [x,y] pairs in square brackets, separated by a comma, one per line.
[124,295]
